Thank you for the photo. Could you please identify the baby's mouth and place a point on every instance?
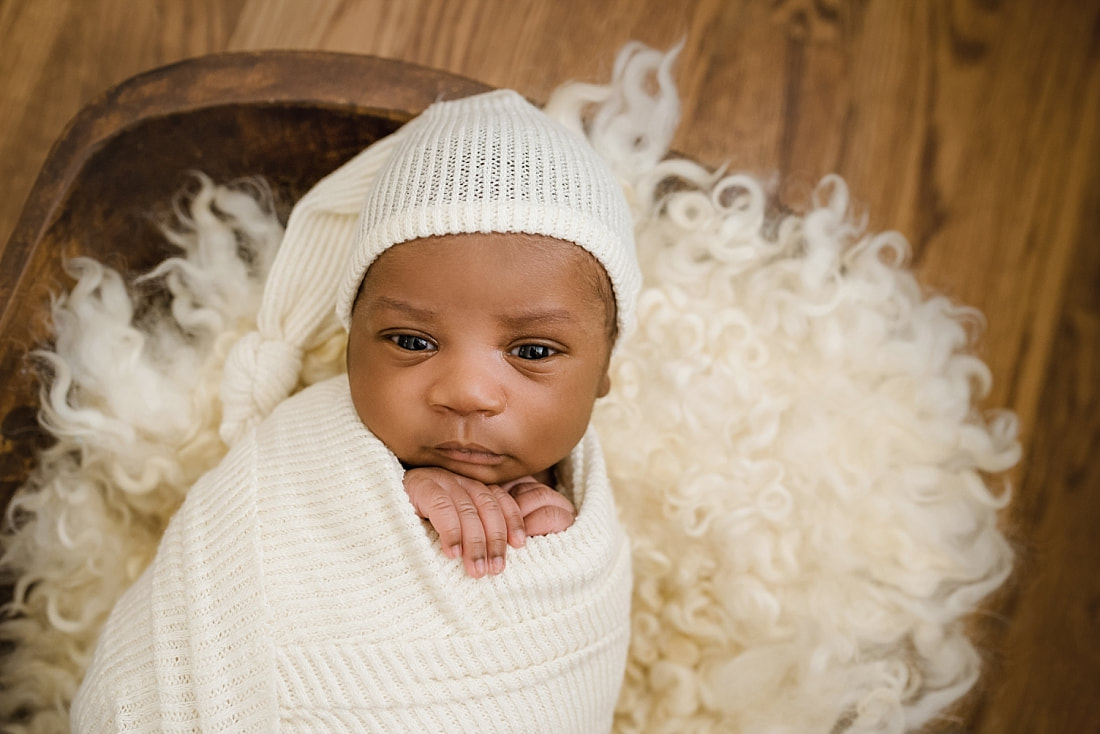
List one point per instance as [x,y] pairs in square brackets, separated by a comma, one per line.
[469,453]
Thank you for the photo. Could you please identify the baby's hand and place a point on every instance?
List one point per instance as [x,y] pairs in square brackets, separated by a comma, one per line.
[544,509]
[473,520]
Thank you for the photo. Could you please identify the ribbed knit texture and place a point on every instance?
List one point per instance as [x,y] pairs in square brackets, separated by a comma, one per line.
[263,368]
[496,163]
[296,590]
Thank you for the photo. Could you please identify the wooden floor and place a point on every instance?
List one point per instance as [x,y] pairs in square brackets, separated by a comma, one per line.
[973,127]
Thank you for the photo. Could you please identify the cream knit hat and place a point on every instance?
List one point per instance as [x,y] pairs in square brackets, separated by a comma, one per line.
[495,163]
[488,163]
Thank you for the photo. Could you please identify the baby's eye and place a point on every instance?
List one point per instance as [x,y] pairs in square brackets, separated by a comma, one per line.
[412,342]
[533,351]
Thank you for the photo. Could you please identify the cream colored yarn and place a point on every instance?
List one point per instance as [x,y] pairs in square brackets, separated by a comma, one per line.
[264,366]
[495,163]
[488,163]
[297,591]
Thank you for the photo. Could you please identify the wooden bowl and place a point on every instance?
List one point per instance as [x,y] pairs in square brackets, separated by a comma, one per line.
[290,117]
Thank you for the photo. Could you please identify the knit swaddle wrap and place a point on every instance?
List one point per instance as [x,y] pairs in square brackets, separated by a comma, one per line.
[296,590]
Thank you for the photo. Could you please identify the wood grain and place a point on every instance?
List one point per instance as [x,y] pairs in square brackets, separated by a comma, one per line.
[971,126]
[1048,660]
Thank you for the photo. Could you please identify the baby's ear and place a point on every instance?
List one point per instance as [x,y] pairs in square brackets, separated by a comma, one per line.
[605,385]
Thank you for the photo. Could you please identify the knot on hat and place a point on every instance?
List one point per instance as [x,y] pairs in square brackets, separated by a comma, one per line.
[259,374]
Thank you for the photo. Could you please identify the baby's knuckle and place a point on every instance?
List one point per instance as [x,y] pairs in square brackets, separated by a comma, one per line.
[468,511]
[485,497]
[440,503]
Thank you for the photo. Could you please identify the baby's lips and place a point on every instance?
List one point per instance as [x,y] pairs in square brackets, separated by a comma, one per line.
[465,446]
[469,453]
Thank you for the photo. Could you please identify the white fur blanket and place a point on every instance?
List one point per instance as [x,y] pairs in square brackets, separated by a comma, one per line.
[296,590]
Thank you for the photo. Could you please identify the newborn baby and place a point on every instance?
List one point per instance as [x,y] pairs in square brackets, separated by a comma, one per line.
[347,565]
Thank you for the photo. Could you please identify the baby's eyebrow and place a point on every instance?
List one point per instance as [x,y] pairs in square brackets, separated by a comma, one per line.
[540,317]
[395,304]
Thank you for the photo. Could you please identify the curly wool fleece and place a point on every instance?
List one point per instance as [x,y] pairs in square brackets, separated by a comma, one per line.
[791,435]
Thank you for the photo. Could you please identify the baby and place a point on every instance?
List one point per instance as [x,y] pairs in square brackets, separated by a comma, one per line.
[298,588]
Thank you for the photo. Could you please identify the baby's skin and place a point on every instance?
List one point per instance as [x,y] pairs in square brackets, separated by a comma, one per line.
[479,519]
[477,359]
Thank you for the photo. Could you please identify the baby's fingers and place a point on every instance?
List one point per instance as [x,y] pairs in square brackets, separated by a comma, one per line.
[548,519]
[474,521]
[442,512]
[513,519]
[544,510]
[484,546]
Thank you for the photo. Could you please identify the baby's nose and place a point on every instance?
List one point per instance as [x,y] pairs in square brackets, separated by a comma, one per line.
[469,383]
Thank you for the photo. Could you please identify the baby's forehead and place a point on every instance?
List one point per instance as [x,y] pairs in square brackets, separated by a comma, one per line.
[532,251]
[493,256]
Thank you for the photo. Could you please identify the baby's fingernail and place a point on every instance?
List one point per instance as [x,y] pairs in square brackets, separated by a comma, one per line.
[454,551]
[497,565]
[479,567]
[521,538]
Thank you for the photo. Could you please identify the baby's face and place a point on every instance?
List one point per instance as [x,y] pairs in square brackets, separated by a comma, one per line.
[482,354]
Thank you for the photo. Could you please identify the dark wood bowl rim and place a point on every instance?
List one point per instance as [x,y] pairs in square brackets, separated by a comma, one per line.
[378,87]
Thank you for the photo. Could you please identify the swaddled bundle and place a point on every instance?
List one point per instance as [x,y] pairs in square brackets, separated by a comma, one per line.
[296,590]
